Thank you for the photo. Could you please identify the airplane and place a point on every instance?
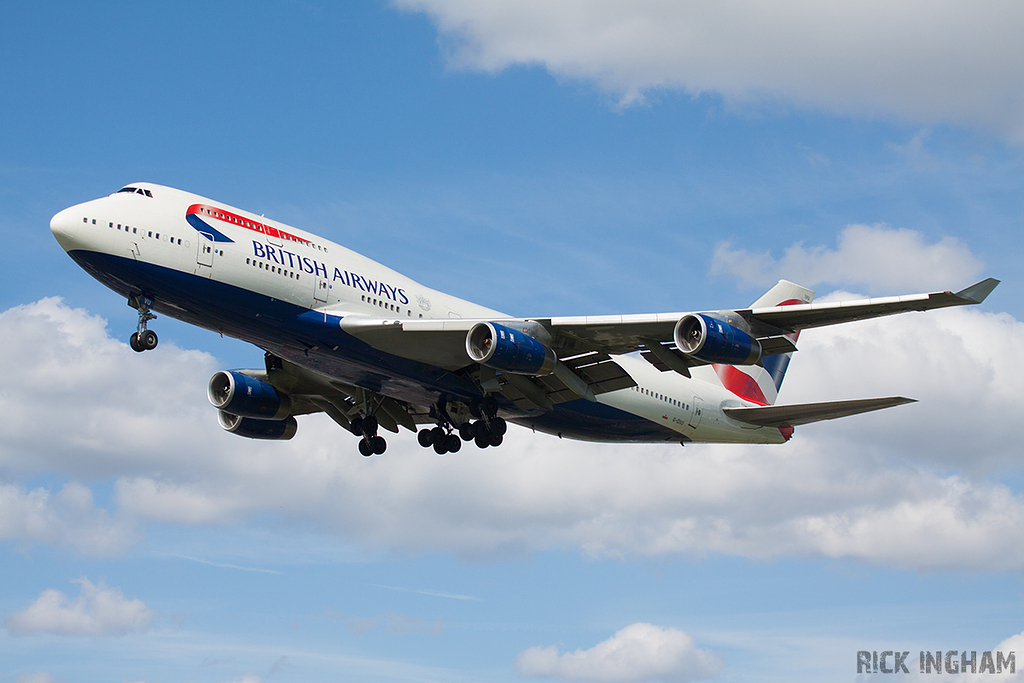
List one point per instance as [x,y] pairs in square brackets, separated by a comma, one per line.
[373,349]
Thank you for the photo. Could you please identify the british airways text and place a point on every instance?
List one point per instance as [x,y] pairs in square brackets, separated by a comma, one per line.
[289,259]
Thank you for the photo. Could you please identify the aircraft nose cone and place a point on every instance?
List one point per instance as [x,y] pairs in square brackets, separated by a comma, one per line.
[65,226]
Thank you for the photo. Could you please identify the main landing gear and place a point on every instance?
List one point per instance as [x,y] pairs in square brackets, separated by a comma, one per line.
[143,339]
[487,430]
[370,444]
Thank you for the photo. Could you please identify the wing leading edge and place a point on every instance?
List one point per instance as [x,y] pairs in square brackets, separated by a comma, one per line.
[585,345]
[804,316]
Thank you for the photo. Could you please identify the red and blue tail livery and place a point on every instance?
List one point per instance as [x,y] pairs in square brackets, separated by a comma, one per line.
[376,351]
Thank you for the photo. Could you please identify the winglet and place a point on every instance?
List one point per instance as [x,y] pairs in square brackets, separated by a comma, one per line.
[976,293]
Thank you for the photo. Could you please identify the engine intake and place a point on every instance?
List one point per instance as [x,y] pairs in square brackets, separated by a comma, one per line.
[715,341]
[239,394]
[253,428]
[508,350]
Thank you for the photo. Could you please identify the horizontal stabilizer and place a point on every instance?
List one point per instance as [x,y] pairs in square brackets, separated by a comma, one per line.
[805,413]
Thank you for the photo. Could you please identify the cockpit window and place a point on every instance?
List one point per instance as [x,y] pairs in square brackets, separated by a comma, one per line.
[135,190]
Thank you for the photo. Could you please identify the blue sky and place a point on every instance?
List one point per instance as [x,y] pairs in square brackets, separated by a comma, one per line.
[581,158]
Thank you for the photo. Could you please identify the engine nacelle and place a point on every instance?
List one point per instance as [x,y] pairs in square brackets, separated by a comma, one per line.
[245,396]
[508,350]
[714,341]
[253,428]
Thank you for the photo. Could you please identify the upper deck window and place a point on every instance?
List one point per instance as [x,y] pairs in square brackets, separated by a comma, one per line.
[135,190]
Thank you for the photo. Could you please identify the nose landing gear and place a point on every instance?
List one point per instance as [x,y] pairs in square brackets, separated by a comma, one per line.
[143,339]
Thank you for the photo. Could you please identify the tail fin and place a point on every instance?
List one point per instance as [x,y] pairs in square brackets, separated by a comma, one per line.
[761,383]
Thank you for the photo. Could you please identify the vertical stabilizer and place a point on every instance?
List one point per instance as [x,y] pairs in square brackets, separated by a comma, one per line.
[761,383]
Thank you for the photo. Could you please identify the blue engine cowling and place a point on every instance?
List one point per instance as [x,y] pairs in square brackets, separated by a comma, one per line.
[508,350]
[245,396]
[714,341]
[253,428]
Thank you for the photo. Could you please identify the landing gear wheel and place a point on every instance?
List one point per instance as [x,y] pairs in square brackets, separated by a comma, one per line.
[437,435]
[453,443]
[148,340]
[498,426]
[425,437]
[482,442]
[378,445]
[369,424]
[466,431]
[441,447]
[143,339]
[496,439]
[364,448]
[480,430]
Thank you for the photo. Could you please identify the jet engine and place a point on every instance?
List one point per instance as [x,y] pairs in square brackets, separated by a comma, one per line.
[508,350]
[239,394]
[254,428]
[715,341]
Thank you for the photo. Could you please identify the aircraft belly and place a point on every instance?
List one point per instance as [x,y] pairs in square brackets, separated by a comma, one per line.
[273,325]
[584,420]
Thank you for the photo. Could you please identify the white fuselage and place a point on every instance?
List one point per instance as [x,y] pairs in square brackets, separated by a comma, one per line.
[241,274]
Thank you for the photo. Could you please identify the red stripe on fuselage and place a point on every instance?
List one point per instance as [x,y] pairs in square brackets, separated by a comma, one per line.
[242,222]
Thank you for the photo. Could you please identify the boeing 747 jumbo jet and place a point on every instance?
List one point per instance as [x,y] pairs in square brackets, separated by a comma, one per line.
[349,337]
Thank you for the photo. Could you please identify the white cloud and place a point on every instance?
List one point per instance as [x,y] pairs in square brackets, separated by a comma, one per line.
[78,400]
[877,257]
[639,652]
[908,475]
[951,62]
[832,492]
[98,611]
[37,677]
[67,518]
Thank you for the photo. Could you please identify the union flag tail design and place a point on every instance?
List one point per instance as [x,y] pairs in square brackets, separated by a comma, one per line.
[761,383]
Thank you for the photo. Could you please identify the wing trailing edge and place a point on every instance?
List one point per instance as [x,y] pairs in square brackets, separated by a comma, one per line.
[805,413]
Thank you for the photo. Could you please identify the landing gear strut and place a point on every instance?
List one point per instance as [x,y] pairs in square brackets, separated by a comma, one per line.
[143,339]
[370,444]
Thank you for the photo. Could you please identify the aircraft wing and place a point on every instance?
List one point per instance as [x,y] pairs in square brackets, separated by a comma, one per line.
[584,345]
[801,317]
[625,333]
